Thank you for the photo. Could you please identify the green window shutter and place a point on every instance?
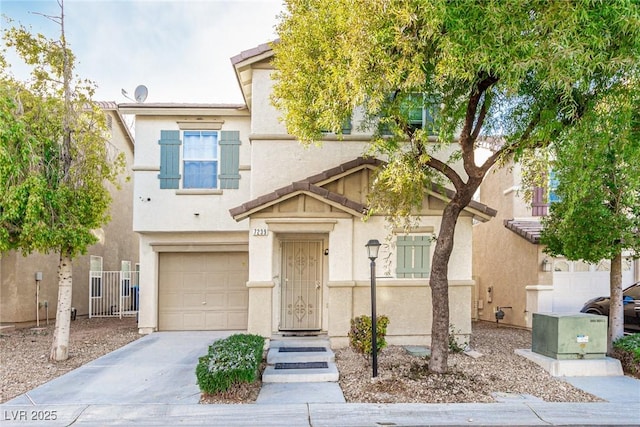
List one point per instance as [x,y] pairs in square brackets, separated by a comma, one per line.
[346,126]
[404,246]
[413,256]
[169,159]
[229,160]
[421,256]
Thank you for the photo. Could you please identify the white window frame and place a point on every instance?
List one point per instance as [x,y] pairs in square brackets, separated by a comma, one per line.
[184,158]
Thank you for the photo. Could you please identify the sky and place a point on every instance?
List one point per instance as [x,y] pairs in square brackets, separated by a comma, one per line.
[180,50]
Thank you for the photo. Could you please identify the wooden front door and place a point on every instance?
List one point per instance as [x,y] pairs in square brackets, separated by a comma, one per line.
[302,280]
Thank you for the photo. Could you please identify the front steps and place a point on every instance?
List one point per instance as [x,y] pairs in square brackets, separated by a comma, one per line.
[283,383]
[300,360]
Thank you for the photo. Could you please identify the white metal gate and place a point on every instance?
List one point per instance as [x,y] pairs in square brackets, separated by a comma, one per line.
[113,293]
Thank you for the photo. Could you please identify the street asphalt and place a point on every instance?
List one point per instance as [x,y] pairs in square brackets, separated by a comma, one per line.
[151,381]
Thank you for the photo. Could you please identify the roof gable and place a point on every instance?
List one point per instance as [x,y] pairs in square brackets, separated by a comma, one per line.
[335,188]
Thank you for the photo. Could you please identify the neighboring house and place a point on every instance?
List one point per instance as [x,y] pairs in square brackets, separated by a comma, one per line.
[511,268]
[243,228]
[117,249]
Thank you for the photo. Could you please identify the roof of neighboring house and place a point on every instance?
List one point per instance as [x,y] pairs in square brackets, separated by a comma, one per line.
[313,187]
[529,229]
[112,106]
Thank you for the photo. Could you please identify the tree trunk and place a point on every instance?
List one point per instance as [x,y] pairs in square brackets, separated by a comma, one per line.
[440,289]
[616,308]
[60,346]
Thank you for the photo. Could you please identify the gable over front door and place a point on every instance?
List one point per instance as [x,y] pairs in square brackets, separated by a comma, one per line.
[301,284]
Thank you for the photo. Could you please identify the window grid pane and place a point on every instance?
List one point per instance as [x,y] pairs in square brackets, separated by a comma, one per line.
[200,155]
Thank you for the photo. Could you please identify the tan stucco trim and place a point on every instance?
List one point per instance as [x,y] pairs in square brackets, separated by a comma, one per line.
[297,225]
[191,192]
[342,284]
[414,230]
[287,137]
[144,168]
[198,247]
[258,284]
[539,288]
[406,283]
[200,124]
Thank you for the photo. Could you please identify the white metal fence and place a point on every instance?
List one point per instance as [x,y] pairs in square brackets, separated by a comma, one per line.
[113,293]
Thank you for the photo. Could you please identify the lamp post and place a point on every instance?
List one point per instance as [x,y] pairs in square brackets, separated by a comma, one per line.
[372,251]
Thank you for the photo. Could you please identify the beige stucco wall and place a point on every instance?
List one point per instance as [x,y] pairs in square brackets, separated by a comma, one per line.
[502,260]
[346,291]
[158,209]
[117,243]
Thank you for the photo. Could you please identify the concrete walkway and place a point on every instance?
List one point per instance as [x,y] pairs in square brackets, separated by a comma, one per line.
[152,382]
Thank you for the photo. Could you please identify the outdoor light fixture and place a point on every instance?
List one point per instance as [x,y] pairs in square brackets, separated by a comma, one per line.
[546,265]
[373,246]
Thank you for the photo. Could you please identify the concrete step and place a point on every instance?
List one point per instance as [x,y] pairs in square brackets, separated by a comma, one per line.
[300,342]
[275,355]
[306,375]
[288,393]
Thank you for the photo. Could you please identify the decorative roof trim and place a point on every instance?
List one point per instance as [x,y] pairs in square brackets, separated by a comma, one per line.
[529,230]
[312,186]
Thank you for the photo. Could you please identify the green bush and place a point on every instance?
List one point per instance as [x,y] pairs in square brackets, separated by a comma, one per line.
[627,350]
[360,334]
[230,361]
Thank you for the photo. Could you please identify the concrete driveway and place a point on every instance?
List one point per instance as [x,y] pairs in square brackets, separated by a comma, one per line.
[157,368]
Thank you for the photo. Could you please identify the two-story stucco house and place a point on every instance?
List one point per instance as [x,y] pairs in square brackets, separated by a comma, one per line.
[116,250]
[243,228]
[511,268]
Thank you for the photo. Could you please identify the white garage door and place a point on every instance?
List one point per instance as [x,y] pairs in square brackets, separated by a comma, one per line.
[203,291]
[576,282]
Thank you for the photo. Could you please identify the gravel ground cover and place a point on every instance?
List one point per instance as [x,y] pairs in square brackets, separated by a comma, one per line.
[497,374]
[24,352]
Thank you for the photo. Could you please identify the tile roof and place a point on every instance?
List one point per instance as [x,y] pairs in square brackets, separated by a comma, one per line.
[250,53]
[527,229]
[308,185]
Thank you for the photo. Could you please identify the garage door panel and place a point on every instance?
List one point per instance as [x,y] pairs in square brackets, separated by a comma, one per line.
[238,300]
[216,320]
[192,300]
[216,300]
[186,280]
[193,320]
[237,320]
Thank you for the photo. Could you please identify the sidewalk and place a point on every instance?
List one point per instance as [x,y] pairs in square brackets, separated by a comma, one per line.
[148,382]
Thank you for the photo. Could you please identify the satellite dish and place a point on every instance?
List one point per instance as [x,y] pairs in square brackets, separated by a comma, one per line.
[140,94]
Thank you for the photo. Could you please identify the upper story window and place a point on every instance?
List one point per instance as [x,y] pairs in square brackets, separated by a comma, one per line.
[541,200]
[423,113]
[199,159]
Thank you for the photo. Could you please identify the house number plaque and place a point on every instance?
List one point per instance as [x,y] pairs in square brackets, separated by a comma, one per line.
[260,232]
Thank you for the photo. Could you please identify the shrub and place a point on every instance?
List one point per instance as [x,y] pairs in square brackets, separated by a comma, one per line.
[360,334]
[230,361]
[627,350]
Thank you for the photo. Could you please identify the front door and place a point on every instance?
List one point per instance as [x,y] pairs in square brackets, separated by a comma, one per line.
[301,273]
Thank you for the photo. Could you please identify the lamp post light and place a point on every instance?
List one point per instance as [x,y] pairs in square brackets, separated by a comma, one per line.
[373,246]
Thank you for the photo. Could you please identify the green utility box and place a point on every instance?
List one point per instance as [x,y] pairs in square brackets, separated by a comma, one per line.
[570,336]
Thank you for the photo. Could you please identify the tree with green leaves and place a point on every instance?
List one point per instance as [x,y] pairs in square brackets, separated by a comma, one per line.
[523,71]
[597,169]
[55,159]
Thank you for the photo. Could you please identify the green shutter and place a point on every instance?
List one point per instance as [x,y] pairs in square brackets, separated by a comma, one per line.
[413,256]
[169,159]
[229,159]
[346,126]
